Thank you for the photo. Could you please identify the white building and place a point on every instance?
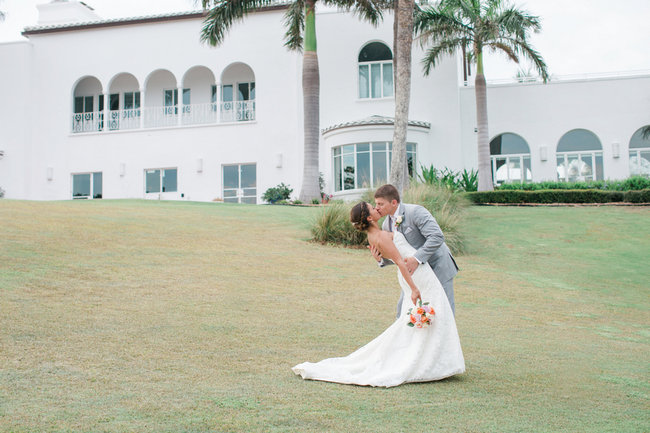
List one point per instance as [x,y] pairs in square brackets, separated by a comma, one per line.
[140,108]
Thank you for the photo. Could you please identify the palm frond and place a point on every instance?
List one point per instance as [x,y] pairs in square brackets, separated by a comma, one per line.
[522,47]
[294,20]
[435,24]
[368,10]
[518,22]
[221,16]
[434,54]
[508,50]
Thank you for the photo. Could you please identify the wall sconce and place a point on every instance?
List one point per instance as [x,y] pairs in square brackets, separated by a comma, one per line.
[199,165]
[122,169]
[278,160]
[542,153]
[616,150]
[50,173]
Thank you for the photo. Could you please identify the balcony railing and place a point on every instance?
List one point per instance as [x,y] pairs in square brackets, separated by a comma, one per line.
[167,116]
[87,122]
[124,119]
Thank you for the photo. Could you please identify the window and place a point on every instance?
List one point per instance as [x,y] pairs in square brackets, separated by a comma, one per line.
[579,157]
[186,100]
[240,183]
[640,152]
[375,71]
[83,104]
[85,183]
[161,180]
[510,157]
[86,117]
[243,107]
[366,165]
[131,100]
[170,100]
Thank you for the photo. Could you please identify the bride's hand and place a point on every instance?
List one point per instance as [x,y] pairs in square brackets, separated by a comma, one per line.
[415,295]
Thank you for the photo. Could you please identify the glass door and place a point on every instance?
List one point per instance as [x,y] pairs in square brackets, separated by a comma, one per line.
[240,183]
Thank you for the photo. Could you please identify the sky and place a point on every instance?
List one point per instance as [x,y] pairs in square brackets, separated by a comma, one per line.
[577,37]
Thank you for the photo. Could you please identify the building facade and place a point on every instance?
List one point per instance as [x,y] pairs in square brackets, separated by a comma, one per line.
[140,108]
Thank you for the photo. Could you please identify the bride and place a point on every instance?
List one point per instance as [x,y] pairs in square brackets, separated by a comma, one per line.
[401,354]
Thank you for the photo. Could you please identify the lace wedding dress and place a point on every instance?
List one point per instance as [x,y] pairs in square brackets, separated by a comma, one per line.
[401,354]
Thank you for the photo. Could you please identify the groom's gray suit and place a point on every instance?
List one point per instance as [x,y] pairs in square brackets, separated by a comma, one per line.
[422,231]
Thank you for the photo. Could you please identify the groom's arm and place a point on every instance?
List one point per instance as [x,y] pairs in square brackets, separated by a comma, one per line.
[381,262]
[429,228]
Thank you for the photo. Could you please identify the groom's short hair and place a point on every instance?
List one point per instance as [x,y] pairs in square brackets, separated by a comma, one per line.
[388,192]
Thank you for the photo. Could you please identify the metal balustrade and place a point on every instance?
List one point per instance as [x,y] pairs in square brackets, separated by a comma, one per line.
[165,116]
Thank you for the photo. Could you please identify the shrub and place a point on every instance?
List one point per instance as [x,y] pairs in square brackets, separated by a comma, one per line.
[448,208]
[639,196]
[280,192]
[2,193]
[632,183]
[296,202]
[545,196]
[332,225]
[315,201]
[468,180]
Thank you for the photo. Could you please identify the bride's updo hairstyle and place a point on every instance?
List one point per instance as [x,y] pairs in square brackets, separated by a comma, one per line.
[359,216]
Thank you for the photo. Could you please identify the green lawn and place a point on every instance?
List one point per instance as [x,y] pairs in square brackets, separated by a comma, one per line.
[151,316]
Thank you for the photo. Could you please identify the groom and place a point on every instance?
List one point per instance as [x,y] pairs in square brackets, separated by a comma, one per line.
[422,231]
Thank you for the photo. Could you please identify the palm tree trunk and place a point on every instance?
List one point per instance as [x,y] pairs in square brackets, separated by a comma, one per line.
[311,107]
[484,170]
[399,169]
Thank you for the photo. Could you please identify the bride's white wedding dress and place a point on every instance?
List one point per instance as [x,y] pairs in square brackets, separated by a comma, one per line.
[401,353]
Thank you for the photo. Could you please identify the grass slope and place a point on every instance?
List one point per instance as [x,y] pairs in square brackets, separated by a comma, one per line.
[163,316]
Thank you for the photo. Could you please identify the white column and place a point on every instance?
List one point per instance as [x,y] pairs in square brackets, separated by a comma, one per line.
[142,111]
[180,105]
[218,101]
[105,113]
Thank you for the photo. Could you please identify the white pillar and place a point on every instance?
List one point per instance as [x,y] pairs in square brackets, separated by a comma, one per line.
[105,113]
[142,111]
[180,105]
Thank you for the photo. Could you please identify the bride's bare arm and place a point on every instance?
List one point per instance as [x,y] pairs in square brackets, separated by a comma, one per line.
[387,248]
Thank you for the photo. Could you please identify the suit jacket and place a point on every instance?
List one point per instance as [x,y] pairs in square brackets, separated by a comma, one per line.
[423,233]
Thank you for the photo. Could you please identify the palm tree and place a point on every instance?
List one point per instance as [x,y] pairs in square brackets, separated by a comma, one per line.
[300,19]
[402,41]
[479,25]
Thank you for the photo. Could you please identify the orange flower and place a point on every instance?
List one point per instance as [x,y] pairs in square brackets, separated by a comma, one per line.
[413,319]
[420,310]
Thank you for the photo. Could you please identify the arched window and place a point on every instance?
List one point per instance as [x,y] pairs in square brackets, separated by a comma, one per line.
[640,152]
[375,71]
[579,156]
[510,157]
[366,165]
[237,93]
[88,106]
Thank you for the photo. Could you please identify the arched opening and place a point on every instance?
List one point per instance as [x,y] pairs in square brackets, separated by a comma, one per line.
[579,156]
[199,96]
[510,157]
[375,71]
[123,102]
[161,99]
[87,106]
[640,152]
[237,102]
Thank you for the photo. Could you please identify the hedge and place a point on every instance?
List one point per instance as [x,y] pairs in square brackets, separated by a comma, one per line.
[631,183]
[559,196]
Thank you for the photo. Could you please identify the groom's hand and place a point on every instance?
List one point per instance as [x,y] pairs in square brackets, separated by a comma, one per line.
[375,252]
[411,264]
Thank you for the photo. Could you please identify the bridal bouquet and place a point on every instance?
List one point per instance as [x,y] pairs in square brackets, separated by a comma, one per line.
[421,315]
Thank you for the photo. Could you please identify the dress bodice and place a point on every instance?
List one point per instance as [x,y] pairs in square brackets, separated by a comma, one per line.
[405,249]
